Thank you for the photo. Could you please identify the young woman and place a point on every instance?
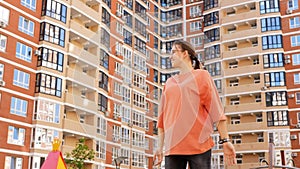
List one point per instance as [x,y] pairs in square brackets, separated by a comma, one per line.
[189,107]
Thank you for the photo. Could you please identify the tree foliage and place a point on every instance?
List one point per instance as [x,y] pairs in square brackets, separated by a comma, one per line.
[76,158]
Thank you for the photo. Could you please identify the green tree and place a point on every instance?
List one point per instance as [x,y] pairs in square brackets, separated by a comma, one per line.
[76,158]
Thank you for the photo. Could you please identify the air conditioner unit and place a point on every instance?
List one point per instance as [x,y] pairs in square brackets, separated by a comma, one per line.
[294,154]
[293,137]
[289,11]
[291,95]
[287,61]
[2,24]
[287,56]
[2,83]
[119,14]
[37,52]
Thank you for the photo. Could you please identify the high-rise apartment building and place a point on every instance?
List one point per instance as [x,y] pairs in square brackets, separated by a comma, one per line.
[252,51]
[95,69]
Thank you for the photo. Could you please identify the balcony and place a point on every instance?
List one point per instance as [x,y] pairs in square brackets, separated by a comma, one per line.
[243,70]
[243,88]
[247,126]
[82,8]
[225,3]
[79,128]
[87,34]
[83,55]
[240,16]
[244,107]
[81,77]
[240,34]
[241,52]
[81,103]
[255,146]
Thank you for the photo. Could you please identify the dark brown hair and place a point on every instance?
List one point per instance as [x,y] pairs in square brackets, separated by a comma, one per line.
[186,46]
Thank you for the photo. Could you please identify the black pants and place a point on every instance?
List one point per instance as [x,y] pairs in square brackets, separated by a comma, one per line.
[197,161]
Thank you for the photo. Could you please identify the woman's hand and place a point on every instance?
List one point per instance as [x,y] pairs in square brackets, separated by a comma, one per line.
[158,157]
[229,153]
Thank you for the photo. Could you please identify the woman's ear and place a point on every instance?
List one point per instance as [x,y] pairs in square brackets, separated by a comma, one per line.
[186,53]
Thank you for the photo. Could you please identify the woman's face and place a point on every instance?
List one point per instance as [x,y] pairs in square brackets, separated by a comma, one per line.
[177,56]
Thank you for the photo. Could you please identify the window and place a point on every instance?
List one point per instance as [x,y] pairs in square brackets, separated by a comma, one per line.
[126,115]
[55,10]
[140,45]
[195,26]
[138,119]
[275,79]
[260,137]
[296,59]
[31,4]
[139,100]
[295,22]
[51,59]
[235,101]
[298,118]
[269,6]
[26,26]
[278,118]
[214,69]
[43,137]
[164,78]
[237,139]
[16,135]
[102,102]
[195,11]
[218,84]
[103,80]
[211,18]
[212,52]
[139,81]
[235,120]
[48,84]
[104,59]
[138,139]
[127,37]
[280,138]
[125,135]
[23,52]
[165,63]
[52,34]
[138,159]
[272,42]
[295,40]
[296,78]
[13,162]
[1,71]
[101,149]
[4,15]
[128,19]
[208,4]
[297,97]
[239,158]
[18,106]
[105,17]
[140,28]
[196,41]
[213,34]
[3,40]
[21,79]
[276,98]
[47,111]
[101,126]
[270,24]
[293,4]
[273,60]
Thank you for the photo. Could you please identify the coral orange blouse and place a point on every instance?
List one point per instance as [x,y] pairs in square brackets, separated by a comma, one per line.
[189,107]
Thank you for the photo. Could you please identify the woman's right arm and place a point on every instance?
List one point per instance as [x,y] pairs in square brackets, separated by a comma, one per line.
[158,156]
